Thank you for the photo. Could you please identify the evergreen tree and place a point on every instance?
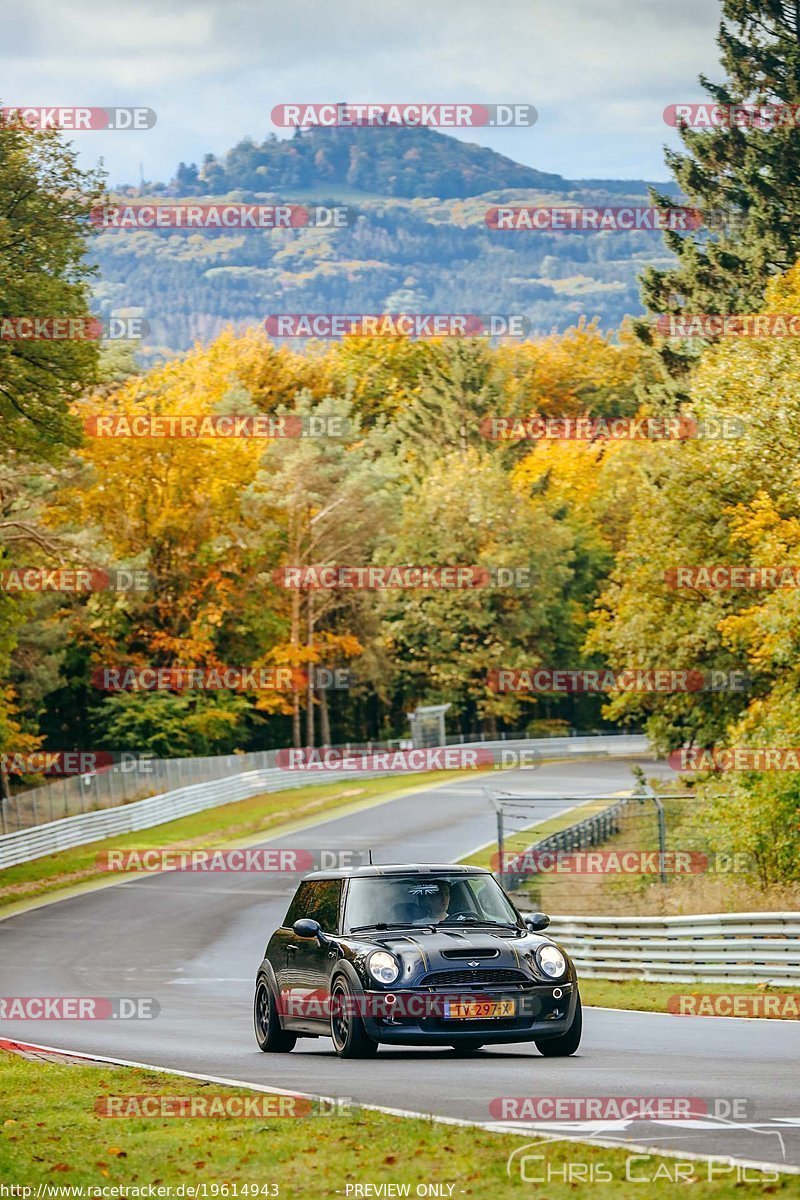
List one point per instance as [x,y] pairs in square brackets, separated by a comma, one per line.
[747,174]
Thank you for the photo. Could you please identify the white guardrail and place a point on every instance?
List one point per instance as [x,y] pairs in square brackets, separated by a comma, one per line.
[756,947]
[53,836]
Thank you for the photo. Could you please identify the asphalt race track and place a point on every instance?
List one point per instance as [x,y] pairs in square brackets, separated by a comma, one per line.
[193,941]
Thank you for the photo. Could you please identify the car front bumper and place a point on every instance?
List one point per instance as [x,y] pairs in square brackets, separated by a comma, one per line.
[542,1012]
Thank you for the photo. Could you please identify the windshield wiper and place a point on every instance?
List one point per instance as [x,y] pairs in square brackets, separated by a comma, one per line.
[476,921]
[391,925]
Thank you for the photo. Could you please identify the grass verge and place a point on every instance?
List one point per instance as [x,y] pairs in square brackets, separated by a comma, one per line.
[654,997]
[228,824]
[52,1137]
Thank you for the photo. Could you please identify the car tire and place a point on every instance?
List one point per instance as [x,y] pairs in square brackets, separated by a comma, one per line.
[269,1035]
[466,1047]
[350,1038]
[567,1043]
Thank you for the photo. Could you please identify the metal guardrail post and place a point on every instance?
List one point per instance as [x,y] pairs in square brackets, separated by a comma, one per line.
[649,794]
[501,849]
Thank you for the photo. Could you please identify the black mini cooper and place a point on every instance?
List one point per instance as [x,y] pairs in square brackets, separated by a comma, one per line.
[413,955]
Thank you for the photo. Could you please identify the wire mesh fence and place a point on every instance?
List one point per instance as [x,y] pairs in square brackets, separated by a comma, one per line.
[611,853]
[135,777]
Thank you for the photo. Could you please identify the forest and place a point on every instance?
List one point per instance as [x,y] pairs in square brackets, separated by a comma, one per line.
[574,541]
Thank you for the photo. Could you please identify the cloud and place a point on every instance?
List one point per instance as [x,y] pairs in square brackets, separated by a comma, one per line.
[599,75]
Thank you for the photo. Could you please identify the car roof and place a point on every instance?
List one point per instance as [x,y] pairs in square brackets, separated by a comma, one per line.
[398,869]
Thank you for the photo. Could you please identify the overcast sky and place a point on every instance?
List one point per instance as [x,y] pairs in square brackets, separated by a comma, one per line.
[599,73]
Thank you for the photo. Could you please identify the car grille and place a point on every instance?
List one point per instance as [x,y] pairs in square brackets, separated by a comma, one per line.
[468,953]
[469,978]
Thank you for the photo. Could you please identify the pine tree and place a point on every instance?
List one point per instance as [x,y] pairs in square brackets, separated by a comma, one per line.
[749,173]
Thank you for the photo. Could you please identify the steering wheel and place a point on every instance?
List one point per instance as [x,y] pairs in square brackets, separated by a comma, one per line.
[463,914]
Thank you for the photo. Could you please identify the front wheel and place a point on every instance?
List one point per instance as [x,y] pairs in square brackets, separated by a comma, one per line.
[350,1038]
[269,1035]
[567,1043]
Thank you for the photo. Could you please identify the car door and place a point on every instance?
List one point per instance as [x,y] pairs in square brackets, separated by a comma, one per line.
[277,951]
[308,963]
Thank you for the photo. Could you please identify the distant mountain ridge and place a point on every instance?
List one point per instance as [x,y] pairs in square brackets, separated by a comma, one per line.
[418,240]
[407,162]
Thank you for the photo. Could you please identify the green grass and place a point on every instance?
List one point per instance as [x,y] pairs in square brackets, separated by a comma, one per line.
[50,1134]
[654,997]
[228,824]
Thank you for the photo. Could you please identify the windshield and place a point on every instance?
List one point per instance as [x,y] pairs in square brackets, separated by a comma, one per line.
[404,900]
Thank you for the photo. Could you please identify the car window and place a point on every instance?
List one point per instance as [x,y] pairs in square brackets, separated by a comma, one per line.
[317,900]
[489,900]
[422,899]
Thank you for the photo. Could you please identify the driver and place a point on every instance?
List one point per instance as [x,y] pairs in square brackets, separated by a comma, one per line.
[439,901]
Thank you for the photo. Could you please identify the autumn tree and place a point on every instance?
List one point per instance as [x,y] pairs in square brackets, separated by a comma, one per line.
[45,204]
[324,502]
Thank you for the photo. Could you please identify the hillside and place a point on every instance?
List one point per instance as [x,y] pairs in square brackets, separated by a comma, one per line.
[402,162]
[418,241]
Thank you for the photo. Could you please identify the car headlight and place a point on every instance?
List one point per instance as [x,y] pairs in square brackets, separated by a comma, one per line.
[383,966]
[551,961]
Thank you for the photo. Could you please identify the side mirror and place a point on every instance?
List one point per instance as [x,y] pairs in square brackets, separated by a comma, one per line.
[308,929]
[536,922]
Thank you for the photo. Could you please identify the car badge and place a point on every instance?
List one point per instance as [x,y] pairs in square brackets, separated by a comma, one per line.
[474,963]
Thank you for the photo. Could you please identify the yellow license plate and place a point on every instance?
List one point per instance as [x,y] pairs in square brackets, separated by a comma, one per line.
[457,1010]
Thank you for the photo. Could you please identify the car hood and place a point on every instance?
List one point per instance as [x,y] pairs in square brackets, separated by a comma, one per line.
[460,949]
